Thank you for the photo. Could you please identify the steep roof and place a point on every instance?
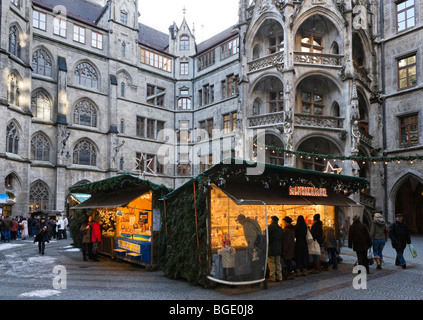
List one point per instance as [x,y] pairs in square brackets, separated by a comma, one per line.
[218,38]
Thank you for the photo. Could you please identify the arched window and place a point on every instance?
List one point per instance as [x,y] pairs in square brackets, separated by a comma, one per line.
[86,75]
[123,49]
[13,85]
[38,196]
[122,89]
[85,153]
[184,43]
[41,105]
[12,138]
[184,104]
[41,63]
[14,42]
[40,148]
[85,114]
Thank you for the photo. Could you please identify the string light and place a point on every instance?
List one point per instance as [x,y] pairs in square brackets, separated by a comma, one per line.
[362,159]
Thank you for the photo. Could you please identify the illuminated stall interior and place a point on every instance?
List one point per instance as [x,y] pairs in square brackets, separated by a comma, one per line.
[224,211]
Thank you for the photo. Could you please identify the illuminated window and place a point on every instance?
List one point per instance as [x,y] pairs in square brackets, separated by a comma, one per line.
[407,72]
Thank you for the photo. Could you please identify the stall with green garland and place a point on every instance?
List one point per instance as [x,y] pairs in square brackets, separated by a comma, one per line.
[127,209]
[203,239]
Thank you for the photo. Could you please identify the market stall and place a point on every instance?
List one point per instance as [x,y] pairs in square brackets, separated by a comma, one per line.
[126,207]
[220,209]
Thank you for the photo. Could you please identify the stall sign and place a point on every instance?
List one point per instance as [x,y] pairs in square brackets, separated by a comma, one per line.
[308,191]
[129,246]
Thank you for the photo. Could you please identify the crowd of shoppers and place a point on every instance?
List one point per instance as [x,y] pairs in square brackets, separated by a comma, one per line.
[289,255]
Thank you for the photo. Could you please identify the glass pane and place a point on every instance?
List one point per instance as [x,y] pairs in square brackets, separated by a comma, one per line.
[305,96]
[401,17]
[410,22]
[401,26]
[305,40]
[318,98]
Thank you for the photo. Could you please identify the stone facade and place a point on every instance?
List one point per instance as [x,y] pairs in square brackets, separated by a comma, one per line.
[95,89]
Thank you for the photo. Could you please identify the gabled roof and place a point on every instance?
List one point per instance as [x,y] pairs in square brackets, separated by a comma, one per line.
[217,39]
[152,37]
[83,10]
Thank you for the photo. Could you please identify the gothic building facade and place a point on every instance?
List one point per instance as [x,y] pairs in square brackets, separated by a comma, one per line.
[90,92]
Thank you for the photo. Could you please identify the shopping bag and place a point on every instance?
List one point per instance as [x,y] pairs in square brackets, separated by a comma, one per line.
[370,257]
[309,237]
[413,251]
[314,248]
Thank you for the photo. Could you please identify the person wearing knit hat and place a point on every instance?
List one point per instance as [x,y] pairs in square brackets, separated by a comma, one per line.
[379,234]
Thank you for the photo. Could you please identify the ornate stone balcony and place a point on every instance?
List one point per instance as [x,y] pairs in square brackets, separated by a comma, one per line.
[366,138]
[322,122]
[313,58]
[266,120]
[272,60]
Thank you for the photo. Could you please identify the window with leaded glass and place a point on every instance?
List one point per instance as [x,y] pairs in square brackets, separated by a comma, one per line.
[14,42]
[13,93]
[41,105]
[85,114]
[85,153]
[38,196]
[86,75]
[40,148]
[311,43]
[41,63]
[12,138]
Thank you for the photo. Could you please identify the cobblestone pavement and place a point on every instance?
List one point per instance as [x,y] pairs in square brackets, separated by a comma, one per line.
[26,275]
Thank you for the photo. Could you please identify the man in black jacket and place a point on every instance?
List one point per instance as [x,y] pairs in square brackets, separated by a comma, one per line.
[400,237]
[275,250]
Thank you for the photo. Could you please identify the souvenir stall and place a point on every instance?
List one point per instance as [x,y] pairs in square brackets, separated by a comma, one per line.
[126,208]
[209,222]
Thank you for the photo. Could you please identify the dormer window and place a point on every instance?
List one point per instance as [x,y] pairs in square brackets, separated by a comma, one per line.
[184,43]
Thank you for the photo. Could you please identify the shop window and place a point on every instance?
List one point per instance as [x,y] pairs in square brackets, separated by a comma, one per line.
[407,72]
[409,130]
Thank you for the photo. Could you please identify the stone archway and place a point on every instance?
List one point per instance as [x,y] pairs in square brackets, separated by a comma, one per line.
[408,200]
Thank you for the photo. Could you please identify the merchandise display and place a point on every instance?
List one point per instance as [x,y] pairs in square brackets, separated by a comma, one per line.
[224,212]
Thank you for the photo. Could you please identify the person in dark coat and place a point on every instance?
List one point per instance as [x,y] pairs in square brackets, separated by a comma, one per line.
[360,241]
[41,235]
[301,248]
[400,237]
[275,250]
[87,247]
[317,233]
[288,248]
